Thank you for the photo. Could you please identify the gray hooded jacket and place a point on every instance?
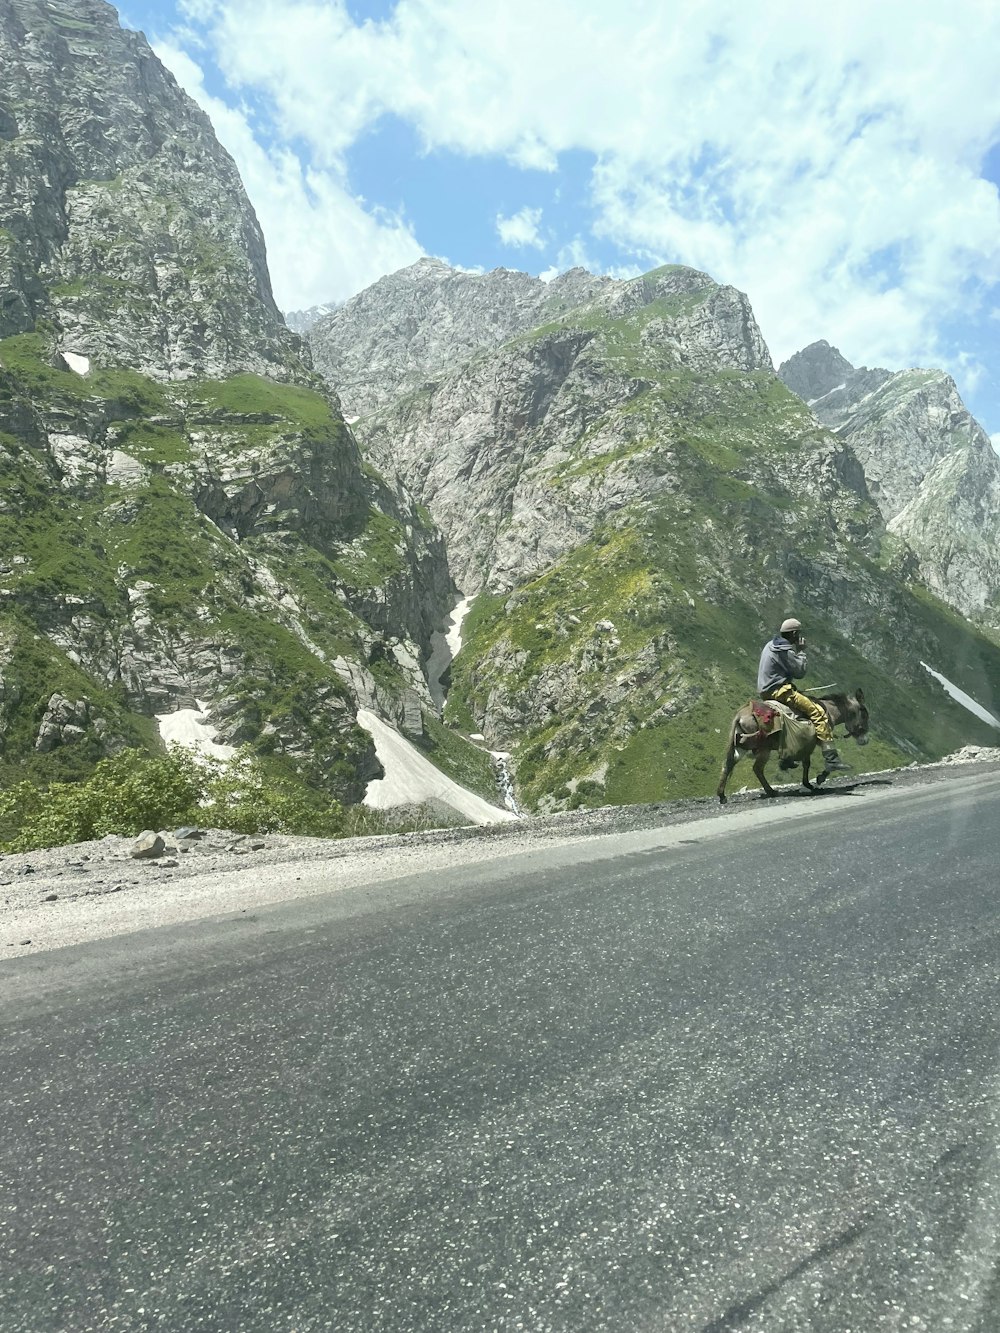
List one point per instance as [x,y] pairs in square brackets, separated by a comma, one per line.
[780,663]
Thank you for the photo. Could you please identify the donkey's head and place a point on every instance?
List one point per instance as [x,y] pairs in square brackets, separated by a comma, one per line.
[856,721]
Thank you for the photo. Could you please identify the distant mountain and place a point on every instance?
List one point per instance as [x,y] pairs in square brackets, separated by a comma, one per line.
[930,467]
[301,321]
[390,338]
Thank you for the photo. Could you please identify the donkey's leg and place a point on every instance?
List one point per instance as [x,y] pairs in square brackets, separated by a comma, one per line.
[758,769]
[805,774]
[728,764]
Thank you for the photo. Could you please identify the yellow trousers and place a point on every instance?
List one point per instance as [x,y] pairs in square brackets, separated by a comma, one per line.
[816,713]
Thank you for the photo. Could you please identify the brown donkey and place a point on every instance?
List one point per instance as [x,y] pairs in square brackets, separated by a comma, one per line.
[747,736]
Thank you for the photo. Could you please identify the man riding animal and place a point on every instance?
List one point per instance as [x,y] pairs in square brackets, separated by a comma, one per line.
[782,660]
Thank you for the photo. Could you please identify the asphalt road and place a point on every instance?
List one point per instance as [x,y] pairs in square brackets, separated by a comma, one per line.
[747,1080]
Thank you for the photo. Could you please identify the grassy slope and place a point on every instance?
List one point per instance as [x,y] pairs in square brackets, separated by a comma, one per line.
[93,546]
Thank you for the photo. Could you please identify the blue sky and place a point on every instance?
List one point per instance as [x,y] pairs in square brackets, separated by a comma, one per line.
[838,163]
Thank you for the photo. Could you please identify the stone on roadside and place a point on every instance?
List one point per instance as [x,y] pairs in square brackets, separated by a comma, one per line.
[147,846]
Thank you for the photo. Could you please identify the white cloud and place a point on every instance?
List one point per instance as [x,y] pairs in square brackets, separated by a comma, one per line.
[521,228]
[818,158]
[323,243]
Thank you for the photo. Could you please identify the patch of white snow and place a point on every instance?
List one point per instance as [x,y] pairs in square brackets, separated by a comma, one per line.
[445,645]
[411,778]
[966,700]
[836,389]
[76,362]
[187,727]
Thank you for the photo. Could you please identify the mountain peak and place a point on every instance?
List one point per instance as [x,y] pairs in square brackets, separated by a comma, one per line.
[816,371]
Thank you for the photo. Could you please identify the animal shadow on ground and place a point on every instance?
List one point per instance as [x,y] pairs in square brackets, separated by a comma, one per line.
[847,789]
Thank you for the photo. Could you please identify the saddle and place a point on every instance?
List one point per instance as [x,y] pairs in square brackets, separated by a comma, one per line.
[797,735]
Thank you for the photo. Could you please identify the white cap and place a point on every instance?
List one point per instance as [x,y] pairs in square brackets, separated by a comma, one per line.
[788,625]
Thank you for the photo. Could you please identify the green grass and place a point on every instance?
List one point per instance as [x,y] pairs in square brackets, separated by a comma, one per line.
[375,555]
[253,396]
[462,761]
[26,358]
[153,444]
[160,537]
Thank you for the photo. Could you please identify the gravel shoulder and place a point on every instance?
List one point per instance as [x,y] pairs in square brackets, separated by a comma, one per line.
[66,895]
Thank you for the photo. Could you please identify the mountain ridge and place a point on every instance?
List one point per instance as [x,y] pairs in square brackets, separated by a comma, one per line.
[931,468]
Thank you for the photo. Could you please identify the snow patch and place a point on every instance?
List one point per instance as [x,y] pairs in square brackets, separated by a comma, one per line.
[76,362]
[411,778]
[188,727]
[445,646]
[836,389]
[966,700]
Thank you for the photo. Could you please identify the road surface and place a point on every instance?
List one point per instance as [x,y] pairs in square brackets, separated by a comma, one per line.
[742,1077]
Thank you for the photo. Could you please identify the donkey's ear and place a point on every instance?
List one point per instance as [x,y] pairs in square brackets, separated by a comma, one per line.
[859,694]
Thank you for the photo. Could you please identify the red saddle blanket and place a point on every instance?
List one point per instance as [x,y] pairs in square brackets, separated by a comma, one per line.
[764,714]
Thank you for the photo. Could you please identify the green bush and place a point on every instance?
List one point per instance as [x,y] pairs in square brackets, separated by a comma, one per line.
[133,791]
[240,795]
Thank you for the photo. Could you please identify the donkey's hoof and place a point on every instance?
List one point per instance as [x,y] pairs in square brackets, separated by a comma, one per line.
[723,798]
[822,777]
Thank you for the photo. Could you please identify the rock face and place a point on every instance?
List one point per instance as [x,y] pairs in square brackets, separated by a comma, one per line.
[390,338]
[124,220]
[184,514]
[301,321]
[522,451]
[930,467]
[637,500]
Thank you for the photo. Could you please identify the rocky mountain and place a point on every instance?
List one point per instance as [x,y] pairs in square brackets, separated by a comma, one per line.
[124,220]
[392,337]
[183,513]
[475,444]
[930,467]
[301,321]
[635,500]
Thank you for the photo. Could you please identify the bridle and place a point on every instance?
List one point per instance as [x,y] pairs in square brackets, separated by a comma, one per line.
[855,720]
[857,726]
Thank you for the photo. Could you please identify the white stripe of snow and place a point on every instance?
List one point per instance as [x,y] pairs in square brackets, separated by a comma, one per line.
[836,389]
[187,727]
[411,779]
[445,645]
[960,696]
[81,364]
[454,634]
